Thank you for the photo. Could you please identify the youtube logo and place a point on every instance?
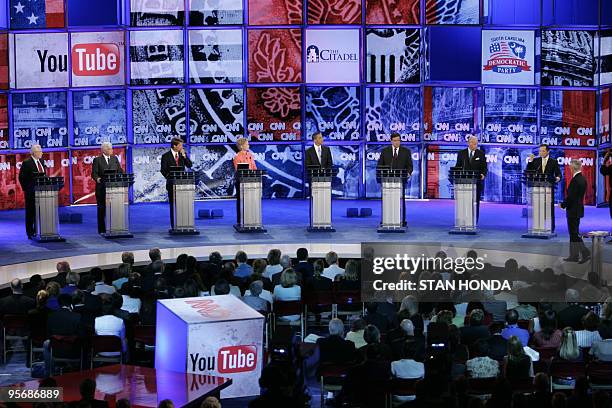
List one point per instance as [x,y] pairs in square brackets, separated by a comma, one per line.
[237,359]
[102,59]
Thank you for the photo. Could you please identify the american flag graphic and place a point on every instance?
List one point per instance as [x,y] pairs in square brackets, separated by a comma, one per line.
[500,50]
[32,14]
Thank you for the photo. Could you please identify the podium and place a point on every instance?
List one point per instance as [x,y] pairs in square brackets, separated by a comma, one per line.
[116,187]
[183,189]
[46,204]
[248,200]
[393,182]
[540,205]
[466,190]
[321,199]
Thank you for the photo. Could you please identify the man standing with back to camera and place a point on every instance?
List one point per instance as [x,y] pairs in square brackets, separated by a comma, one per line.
[574,208]
[105,161]
[397,157]
[176,157]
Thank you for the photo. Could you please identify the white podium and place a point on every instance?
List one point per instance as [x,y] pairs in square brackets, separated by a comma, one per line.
[215,335]
[248,201]
[183,186]
[117,205]
[540,205]
[321,199]
[466,190]
[393,184]
[46,190]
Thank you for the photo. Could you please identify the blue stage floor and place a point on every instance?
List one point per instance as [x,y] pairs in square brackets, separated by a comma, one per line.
[286,222]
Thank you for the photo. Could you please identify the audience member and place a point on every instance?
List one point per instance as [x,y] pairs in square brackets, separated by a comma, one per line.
[407,367]
[110,325]
[374,349]
[62,267]
[541,398]
[87,389]
[273,263]
[356,333]
[253,298]
[569,349]
[572,315]
[319,283]
[512,328]
[34,285]
[288,290]
[72,282]
[517,364]
[166,404]
[589,333]
[334,348]
[303,266]
[243,269]
[497,345]
[101,287]
[602,349]
[210,402]
[549,336]
[332,269]
[482,366]
[373,317]
[16,303]
[121,275]
[53,289]
[475,330]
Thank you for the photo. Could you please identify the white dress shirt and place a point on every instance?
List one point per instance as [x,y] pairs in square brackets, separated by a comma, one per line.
[331,271]
[109,325]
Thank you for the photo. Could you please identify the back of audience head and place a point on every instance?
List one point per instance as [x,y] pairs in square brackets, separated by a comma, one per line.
[590,321]
[515,348]
[62,267]
[358,324]
[155,254]
[256,287]
[476,317]
[259,266]
[407,327]
[331,258]
[73,278]
[410,304]
[222,287]
[87,389]
[318,267]
[512,317]
[210,402]
[41,298]
[128,258]
[605,329]
[285,261]
[166,404]
[572,296]
[336,327]
[215,258]
[371,334]
[541,382]
[302,254]
[17,286]
[569,349]
[481,348]
[288,278]
[351,270]
[241,257]
[274,256]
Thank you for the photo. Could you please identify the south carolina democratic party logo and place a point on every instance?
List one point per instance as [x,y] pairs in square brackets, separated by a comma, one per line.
[507,55]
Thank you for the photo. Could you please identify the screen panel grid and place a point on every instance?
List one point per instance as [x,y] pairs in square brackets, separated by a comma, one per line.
[277,71]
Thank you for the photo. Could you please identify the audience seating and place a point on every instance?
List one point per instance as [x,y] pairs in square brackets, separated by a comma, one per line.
[599,374]
[401,387]
[567,370]
[67,350]
[288,308]
[317,303]
[347,303]
[331,377]
[15,328]
[106,344]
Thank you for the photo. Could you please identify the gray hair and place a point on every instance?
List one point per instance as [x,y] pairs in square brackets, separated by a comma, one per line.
[572,296]
[469,139]
[106,144]
[411,304]
[336,327]
[285,261]
[576,165]
[407,327]
[35,147]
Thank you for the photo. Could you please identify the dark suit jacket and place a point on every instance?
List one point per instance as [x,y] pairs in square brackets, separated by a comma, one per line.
[313,160]
[16,304]
[26,174]
[334,349]
[469,334]
[571,316]
[478,162]
[498,347]
[552,167]
[607,171]
[403,161]
[99,166]
[167,161]
[306,269]
[574,197]
[64,322]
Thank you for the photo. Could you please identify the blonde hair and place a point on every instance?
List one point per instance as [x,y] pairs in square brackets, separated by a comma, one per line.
[241,142]
[351,270]
[53,288]
[288,278]
[569,345]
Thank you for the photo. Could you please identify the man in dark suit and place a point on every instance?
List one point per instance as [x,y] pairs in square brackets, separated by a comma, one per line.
[30,169]
[105,161]
[498,346]
[574,207]
[572,314]
[303,266]
[606,170]
[546,165]
[17,302]
[474,159]
[176,157]
[397,157]
[334,348]
[318,155]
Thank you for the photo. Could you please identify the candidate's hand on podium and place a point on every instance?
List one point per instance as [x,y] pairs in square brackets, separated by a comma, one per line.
[98,180]
[557,179]
[482,176]
[531,157]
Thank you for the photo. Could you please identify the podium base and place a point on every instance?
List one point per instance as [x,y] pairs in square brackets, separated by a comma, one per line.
[463,231]
[115,235]
[544,235]
[243,229]
[183,231]
[51,238]
[383,229]
[321,229]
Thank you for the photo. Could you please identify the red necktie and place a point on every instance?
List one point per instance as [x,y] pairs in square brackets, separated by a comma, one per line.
[39,166]
[177,160]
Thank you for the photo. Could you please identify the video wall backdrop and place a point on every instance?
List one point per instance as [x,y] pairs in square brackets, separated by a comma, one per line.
[514,73]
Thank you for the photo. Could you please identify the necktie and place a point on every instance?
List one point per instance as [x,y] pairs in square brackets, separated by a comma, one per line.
[395,153]
[39,167]
[471,155]
[176,159]
[543,165]
[106,158]
[318,149]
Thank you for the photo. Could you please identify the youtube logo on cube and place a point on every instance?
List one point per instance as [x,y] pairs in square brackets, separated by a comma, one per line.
[98,58]
[237,359]
[95,59]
